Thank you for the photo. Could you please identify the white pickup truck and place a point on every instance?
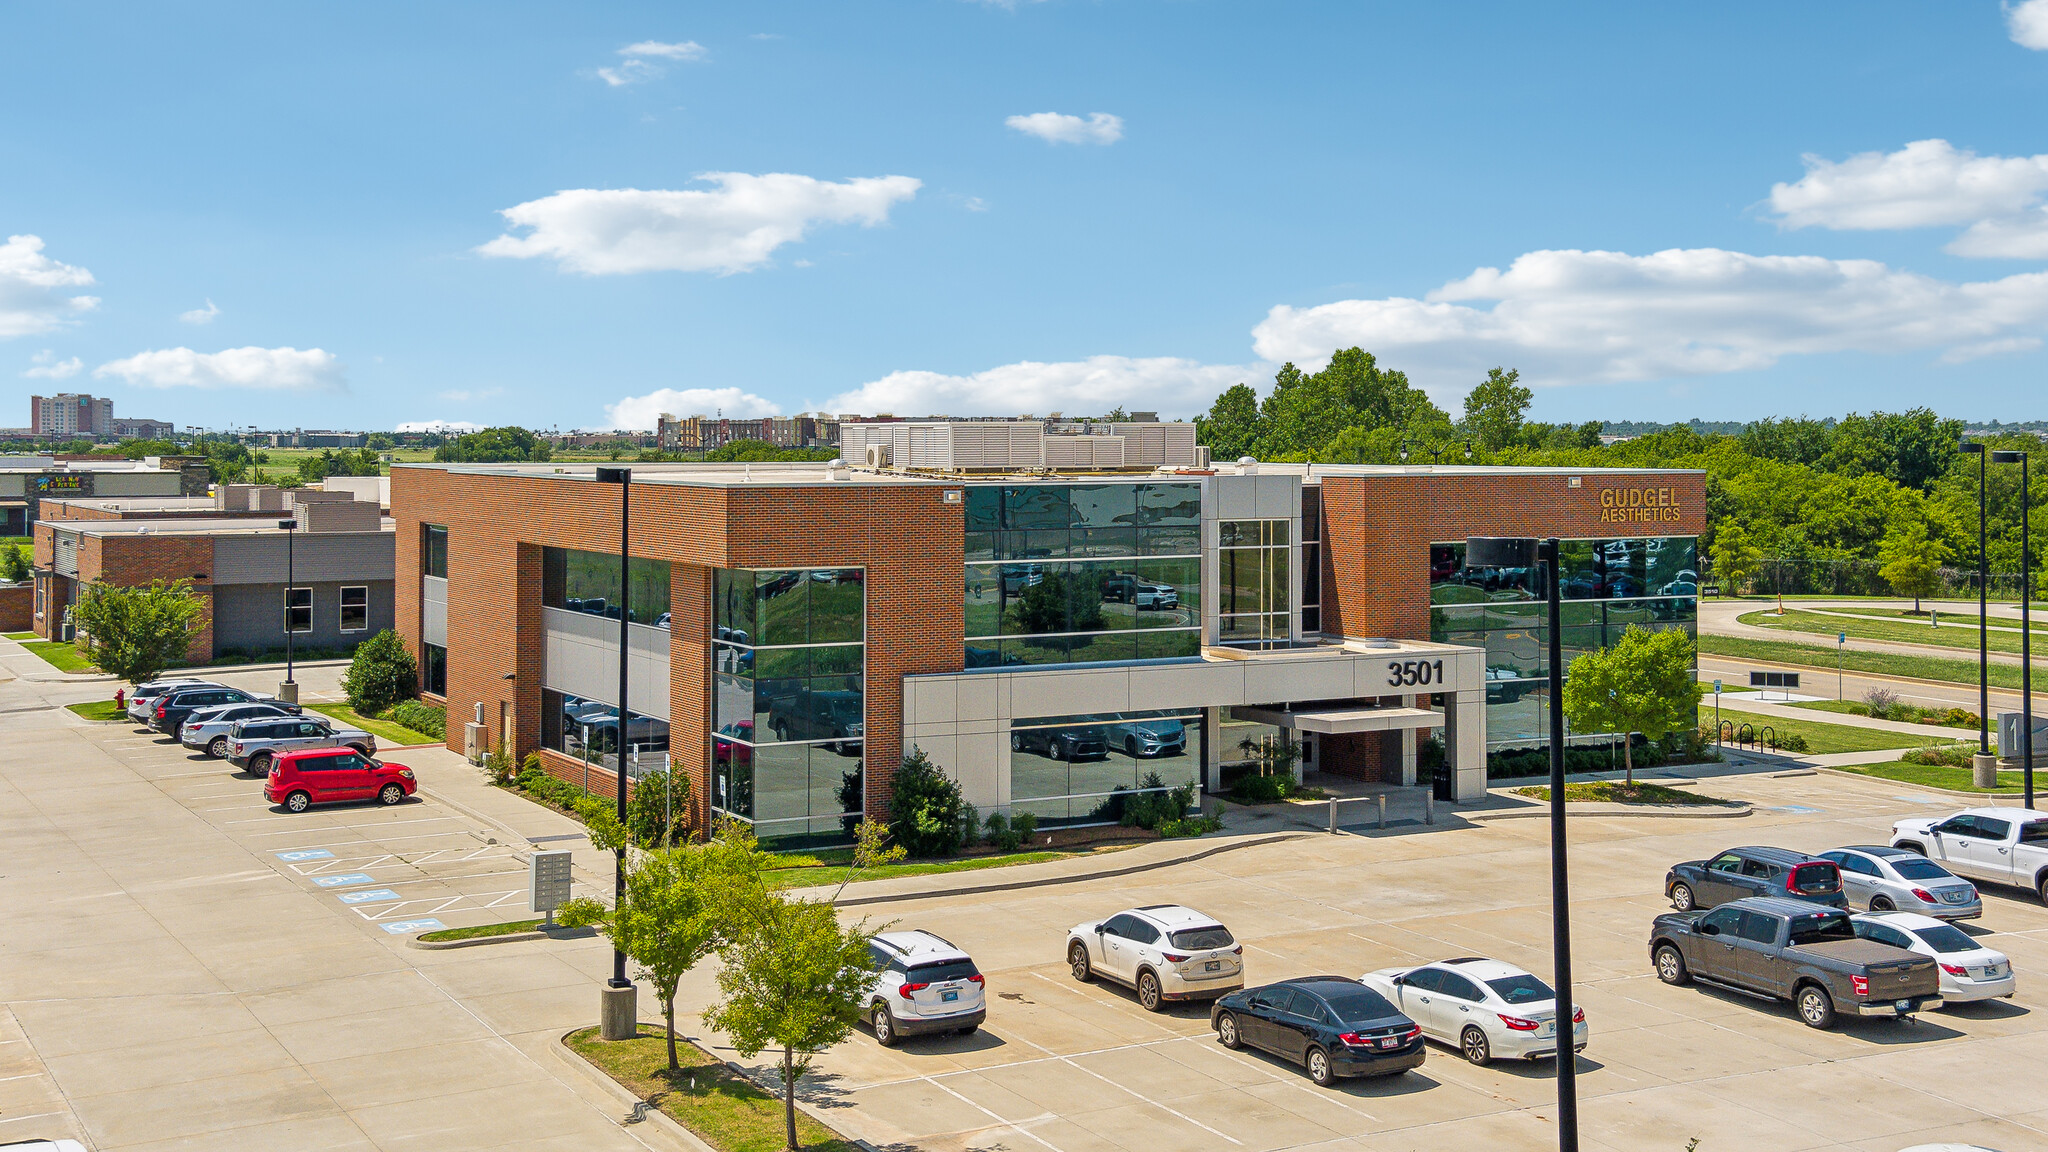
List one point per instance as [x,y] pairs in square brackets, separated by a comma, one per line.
[1997,845]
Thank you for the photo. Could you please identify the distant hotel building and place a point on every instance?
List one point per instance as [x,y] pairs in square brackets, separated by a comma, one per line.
[78,414]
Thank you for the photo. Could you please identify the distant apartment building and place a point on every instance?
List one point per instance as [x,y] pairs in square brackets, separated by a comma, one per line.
[127,429]
[703,433]
[70,414]
[319,438]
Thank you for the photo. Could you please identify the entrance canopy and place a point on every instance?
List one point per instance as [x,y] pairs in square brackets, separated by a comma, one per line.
[1345,719]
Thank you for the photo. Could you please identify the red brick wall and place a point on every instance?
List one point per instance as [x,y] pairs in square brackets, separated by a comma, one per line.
[1372,756]
[17,607]
[129,561]
[1378,529]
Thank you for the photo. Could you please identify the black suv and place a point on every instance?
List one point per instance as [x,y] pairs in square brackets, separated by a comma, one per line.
[174,707]
[1085,743]
[1742,872]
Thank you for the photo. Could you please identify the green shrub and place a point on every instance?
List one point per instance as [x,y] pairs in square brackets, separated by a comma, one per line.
[1190,826]
[14,564]
[498,763]
[1024,824]
[926,808]
[382,674]
[1001,835]
[1262,789]
[1792,742]
[420,716]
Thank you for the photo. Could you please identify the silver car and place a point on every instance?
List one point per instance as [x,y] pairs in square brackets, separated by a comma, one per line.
[1885,879]
[213,728]
[255,744]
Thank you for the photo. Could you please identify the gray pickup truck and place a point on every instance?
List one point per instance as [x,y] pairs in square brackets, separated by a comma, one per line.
[1790,950]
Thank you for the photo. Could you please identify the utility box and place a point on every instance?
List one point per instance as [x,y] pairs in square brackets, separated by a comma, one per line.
[2010,729]
[548,882]
[473,742]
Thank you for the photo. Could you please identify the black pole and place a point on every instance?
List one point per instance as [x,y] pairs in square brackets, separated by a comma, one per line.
[623,477]
[1983,604]
[1560,920]
[2026,625]
[290,577]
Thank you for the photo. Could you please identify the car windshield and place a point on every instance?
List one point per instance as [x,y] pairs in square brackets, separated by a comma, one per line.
[939,970]
[1946,938]
[1918,869]
[1523,989]
[1202,939]
[1359,1004]
[1821,927]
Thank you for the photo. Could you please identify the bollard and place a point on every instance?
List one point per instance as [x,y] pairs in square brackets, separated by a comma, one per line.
[1383,809]
[1333,815]
[1429,807]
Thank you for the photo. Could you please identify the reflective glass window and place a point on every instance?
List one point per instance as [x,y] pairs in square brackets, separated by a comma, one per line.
[1170,539]
[837,599]
[1167,593]
[1170,504]
[1104,505]
[984,508]
[434,550]
[1037,507]
[733,605]
[588,582]
[782,602]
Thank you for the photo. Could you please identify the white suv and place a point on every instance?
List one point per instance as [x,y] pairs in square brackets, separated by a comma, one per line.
[923,985]
[1165,951]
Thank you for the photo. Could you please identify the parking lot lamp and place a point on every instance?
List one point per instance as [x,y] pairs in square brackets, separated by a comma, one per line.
[1973,448]
[2026,625]
[623,477]
[1522,552]
[289,690]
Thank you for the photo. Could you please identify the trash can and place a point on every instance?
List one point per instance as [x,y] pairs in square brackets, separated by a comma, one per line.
[1441,781]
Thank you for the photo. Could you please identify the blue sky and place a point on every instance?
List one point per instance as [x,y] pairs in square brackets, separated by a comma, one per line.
[283,216]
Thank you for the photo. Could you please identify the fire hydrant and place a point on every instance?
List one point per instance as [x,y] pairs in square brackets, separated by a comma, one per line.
[121,698]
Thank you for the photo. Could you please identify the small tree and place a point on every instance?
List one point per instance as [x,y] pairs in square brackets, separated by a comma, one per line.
[1494,410]
[924,808]
[871,849]
[1645,683]
[382,674]
[1736,559]
[796,980]
[136,633]
[14,563]
[1911,561]
[659,808]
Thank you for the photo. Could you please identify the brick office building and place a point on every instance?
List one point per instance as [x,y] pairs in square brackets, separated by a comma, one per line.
[1050,636]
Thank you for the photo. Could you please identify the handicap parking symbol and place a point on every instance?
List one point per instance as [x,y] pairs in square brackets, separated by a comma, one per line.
[400,927]
[344,880]
[373,896]
[305,854]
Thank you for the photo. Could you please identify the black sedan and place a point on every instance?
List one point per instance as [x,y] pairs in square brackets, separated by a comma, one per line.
[1332,1025]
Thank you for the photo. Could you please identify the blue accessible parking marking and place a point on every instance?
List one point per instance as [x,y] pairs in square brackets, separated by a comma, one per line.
[1795,808]
[305,854]
[373,896]
[398,927]
[344,880]
[1920,800]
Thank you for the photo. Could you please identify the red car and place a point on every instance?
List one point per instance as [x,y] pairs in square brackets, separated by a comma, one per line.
[299,780]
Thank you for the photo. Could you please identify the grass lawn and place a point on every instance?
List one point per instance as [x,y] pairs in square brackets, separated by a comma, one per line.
[479,930]
[1933,716]
[1821,738]
[1879,663]
[1934,775]
[19,635]
[100,710]
[66,657]
[819,875]
[727,1112]
[1895,630]
[24,541]
[385,731]
[1618,792]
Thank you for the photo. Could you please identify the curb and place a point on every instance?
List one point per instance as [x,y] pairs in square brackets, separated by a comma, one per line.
[503,938]
[1986,797]
[620,1094]
[1048,881]
[1584,808]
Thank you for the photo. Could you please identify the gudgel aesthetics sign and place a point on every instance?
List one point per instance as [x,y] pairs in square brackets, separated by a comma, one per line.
[1640,506]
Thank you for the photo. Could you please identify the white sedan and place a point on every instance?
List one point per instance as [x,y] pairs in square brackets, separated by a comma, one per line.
[1969,971]
[1483,1008]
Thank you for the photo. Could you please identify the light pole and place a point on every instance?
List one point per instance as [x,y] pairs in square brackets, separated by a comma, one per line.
[1511,552]
[289,690]
[621,1021]
[2026,626]
[1984,767]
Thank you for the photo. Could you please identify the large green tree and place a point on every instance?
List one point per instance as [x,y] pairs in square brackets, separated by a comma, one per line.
[137,632]
[1644,683]
[1496,408]
[1736,559]
[1231,429]
[493,445]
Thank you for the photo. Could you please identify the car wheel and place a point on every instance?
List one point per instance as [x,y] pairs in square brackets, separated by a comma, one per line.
[1016,743]
[1881,904]
[1475,1046]
[1077,960]
[1682,897]
[1319,1067]
[218,749]
[359,750]
[391,794]
[1226,1032]
[1131,748]
[885,1026]
[260,763]
[2042,888]
[1149,997]
[297,802]
[1816,1010]
[1671,965]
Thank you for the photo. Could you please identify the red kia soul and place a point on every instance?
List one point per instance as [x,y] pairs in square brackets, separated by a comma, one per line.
[299,780]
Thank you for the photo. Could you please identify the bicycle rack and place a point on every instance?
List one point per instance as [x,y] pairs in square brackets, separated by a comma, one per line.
[1768,736]
[1725,733]
[1745,736]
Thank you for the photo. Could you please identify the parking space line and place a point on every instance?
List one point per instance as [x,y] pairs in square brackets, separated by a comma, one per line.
[353,828]
[387,910]
[1014,1127]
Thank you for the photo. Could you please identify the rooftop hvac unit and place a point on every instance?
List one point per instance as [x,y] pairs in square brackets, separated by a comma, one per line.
[876,456]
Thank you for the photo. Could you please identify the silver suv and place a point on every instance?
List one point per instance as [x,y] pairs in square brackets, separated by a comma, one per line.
[1165,951]
[923,985]
[255,744]
[213,728]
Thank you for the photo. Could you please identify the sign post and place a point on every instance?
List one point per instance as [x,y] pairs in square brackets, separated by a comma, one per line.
[548,883]
[1841,638]
[1717,711]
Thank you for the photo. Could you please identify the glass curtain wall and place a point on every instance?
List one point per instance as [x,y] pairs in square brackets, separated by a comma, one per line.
[1311,559]
[788,702]
[1607,586]
[1078,573]
[589,731]
[1251,585]
[1082,769]
[588,582]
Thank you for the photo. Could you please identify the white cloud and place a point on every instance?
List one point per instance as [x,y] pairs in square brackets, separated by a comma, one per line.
[201,315]
[734,403]
[278,369]
[31,296]
[639,63]
[683,50]
[1060,128]
[1928,183]
[439,426]
[44,365]
[734,227]
[1577,317]
[2027,22]
[1166,384]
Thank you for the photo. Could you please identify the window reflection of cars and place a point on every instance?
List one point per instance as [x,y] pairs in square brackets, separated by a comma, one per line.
[1017,577]
[1144,595]
[1146,738]
[1080,743]
[813,715]
[990,658]
[1503,683]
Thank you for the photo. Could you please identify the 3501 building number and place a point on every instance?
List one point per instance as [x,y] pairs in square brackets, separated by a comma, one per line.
[1402,673]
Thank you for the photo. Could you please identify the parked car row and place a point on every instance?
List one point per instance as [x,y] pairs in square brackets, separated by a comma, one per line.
[1333,1026]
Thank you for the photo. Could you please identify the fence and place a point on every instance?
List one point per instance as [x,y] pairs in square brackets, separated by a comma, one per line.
[1860,578]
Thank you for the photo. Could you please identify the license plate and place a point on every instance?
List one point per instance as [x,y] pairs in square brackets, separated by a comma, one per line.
[948,997]
[1955,897]
[1391,1042]
[1993,970]
[1549,1028]
[1213,966]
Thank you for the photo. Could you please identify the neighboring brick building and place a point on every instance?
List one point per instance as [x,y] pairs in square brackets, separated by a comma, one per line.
[1055,639]
[26,481]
